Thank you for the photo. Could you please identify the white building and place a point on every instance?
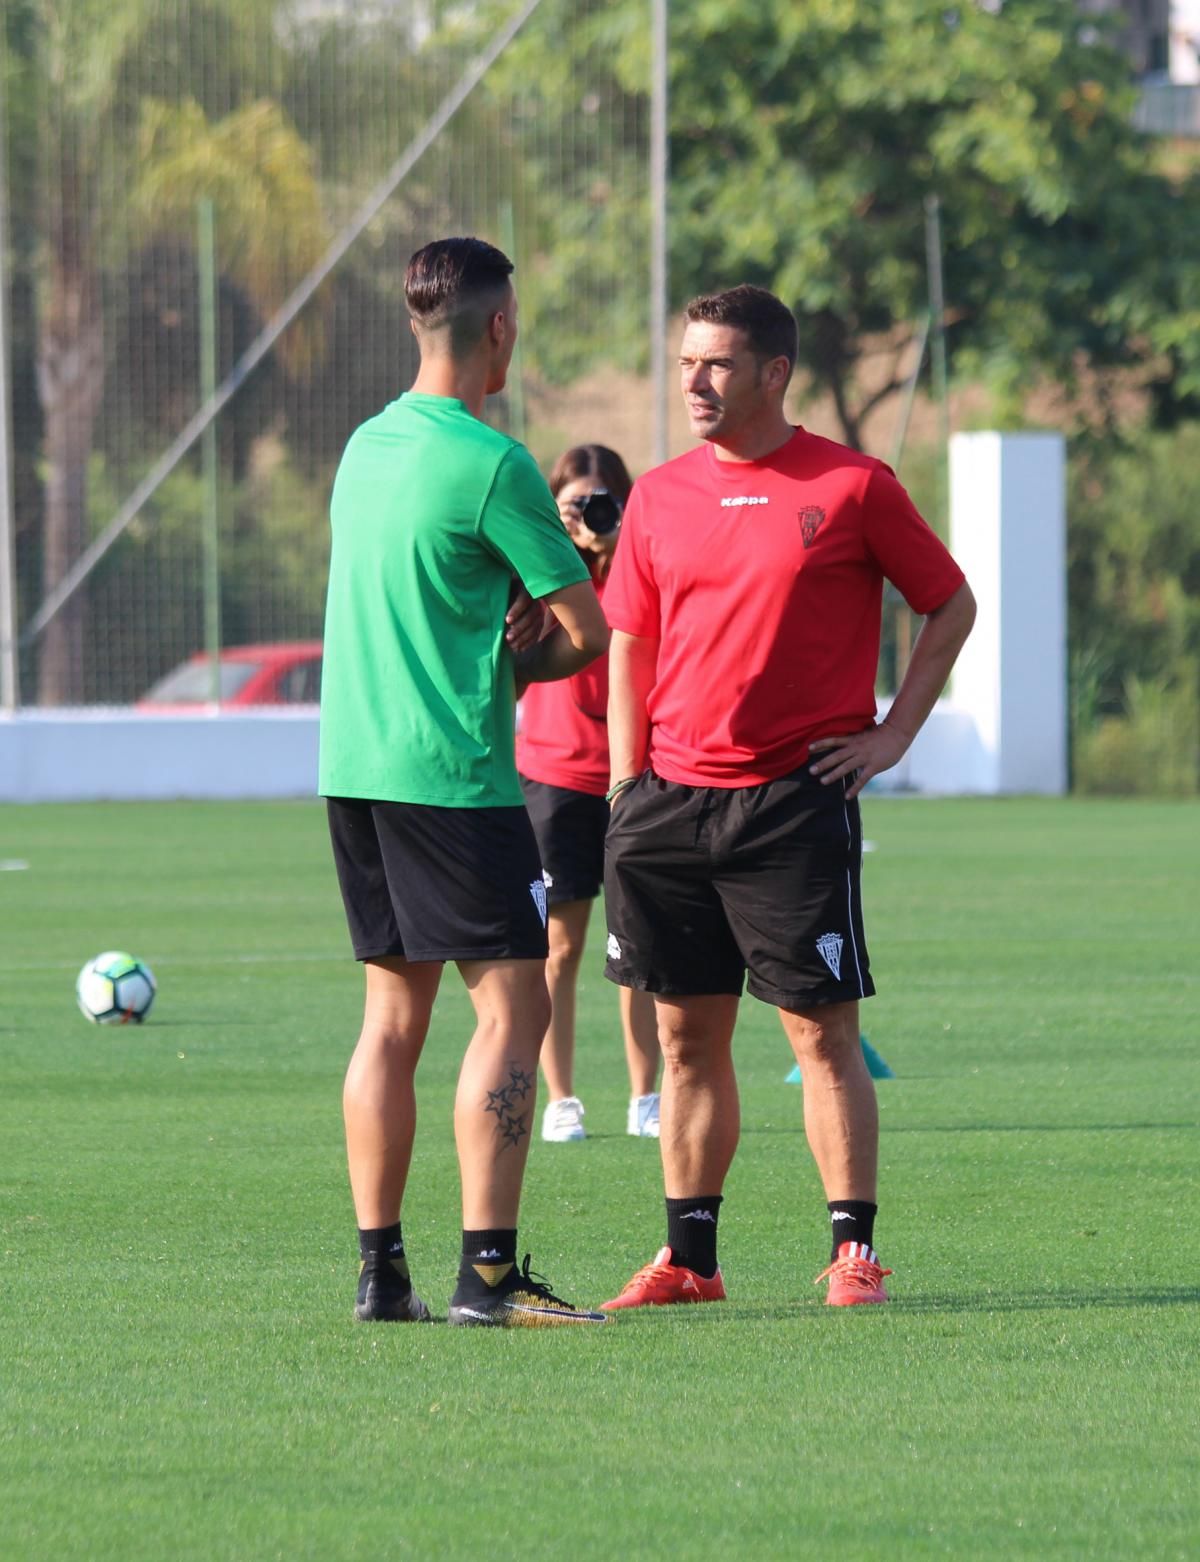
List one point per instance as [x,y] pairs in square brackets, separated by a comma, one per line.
[1183,63]
[1144,30]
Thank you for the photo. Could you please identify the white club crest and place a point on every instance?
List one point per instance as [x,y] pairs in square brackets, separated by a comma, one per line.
[829,947]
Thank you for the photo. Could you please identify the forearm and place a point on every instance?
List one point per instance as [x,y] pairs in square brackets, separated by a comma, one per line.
[555,656]
[632,666]
[578,635]
[934,654]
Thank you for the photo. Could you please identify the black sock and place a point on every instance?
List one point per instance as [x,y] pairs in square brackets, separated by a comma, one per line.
[383,1258]
[852,1220]
[488,1258]
[692,1234]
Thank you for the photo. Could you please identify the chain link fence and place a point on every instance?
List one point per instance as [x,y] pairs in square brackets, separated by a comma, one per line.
[178,176]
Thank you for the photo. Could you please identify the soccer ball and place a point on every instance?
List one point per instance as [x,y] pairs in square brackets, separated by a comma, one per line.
[114,988]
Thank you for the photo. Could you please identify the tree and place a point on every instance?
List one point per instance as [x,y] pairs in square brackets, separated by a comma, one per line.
[577,84]
[17,51]
[1134,558]
[249,164]
[1064,250]
[96,177]
[805,136]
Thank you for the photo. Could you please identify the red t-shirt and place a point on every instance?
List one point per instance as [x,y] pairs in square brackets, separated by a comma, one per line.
[763,583]
[563,739]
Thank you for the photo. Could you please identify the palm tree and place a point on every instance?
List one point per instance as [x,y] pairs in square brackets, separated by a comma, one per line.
[121,167]
[260,176]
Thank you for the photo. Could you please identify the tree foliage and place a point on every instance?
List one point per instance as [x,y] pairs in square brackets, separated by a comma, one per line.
[1064,249]
[249,163]
[570,100]
[805,136]
[1134,613]
[94,61]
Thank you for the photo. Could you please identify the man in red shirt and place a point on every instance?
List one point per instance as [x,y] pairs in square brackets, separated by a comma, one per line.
[745,604]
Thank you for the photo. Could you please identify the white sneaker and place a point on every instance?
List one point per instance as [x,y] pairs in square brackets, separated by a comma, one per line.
[642,1121]
[563,1120]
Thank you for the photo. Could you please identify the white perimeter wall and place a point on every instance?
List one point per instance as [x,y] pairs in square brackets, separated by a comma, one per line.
[1003,729]
[117,754]
[92,755]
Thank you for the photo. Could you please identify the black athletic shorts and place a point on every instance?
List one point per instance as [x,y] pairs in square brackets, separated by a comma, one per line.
[569,827]
[706,885]
[438,883]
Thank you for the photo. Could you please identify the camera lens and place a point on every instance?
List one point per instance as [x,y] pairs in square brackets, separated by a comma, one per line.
[600,512]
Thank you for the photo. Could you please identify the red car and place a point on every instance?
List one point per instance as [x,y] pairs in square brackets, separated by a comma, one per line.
[282,673]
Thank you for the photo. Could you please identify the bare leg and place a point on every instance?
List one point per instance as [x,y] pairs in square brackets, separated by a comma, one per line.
[378,1099]
[642,1052]
[497,1087]
[841,1114]
[567,926]
[700,1115]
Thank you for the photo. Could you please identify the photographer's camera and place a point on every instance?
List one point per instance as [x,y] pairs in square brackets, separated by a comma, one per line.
[600,512]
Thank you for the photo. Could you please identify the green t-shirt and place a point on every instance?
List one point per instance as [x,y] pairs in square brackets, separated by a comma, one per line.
[433,513]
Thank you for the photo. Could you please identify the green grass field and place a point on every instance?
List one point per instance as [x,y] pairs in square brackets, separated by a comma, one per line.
[180,1375]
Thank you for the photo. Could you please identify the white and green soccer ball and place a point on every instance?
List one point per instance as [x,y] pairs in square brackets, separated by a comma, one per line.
[115,989]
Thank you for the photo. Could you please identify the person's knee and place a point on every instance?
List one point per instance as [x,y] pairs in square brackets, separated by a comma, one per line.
[539,1012]
[391,1033]
[827,1040]
[689,1049]
[383,1053]
[514,1023]
[564,958]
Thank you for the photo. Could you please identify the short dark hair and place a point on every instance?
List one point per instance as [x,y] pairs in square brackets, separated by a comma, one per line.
[769,324]
[598,464]
[456,284]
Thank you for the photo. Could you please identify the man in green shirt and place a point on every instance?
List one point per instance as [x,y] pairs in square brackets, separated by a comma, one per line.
[434,515]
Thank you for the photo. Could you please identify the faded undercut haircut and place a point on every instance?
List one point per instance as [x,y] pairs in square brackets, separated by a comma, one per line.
[455,286]
[769,324]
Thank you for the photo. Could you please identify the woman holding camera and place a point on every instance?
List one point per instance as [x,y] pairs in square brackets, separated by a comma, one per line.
[562,757]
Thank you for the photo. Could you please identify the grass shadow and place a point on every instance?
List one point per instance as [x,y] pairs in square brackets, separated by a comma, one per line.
[1051,1301]
[1038,1128]
[982,1302]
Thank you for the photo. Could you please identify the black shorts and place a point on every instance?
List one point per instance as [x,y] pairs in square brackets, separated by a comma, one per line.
[569,827]
[706,884]
[438,883]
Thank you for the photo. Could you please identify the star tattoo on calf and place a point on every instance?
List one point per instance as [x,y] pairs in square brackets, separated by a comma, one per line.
[515,1130]
[511,1121]
[519,1083]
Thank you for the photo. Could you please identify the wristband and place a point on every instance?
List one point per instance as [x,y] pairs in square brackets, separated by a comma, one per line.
[620,786]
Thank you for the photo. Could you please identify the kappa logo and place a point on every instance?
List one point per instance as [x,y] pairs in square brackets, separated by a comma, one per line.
[538,890]
[614,949]
[739,500]
[700,1214]
[829,947]
[547,879]
[810,519]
